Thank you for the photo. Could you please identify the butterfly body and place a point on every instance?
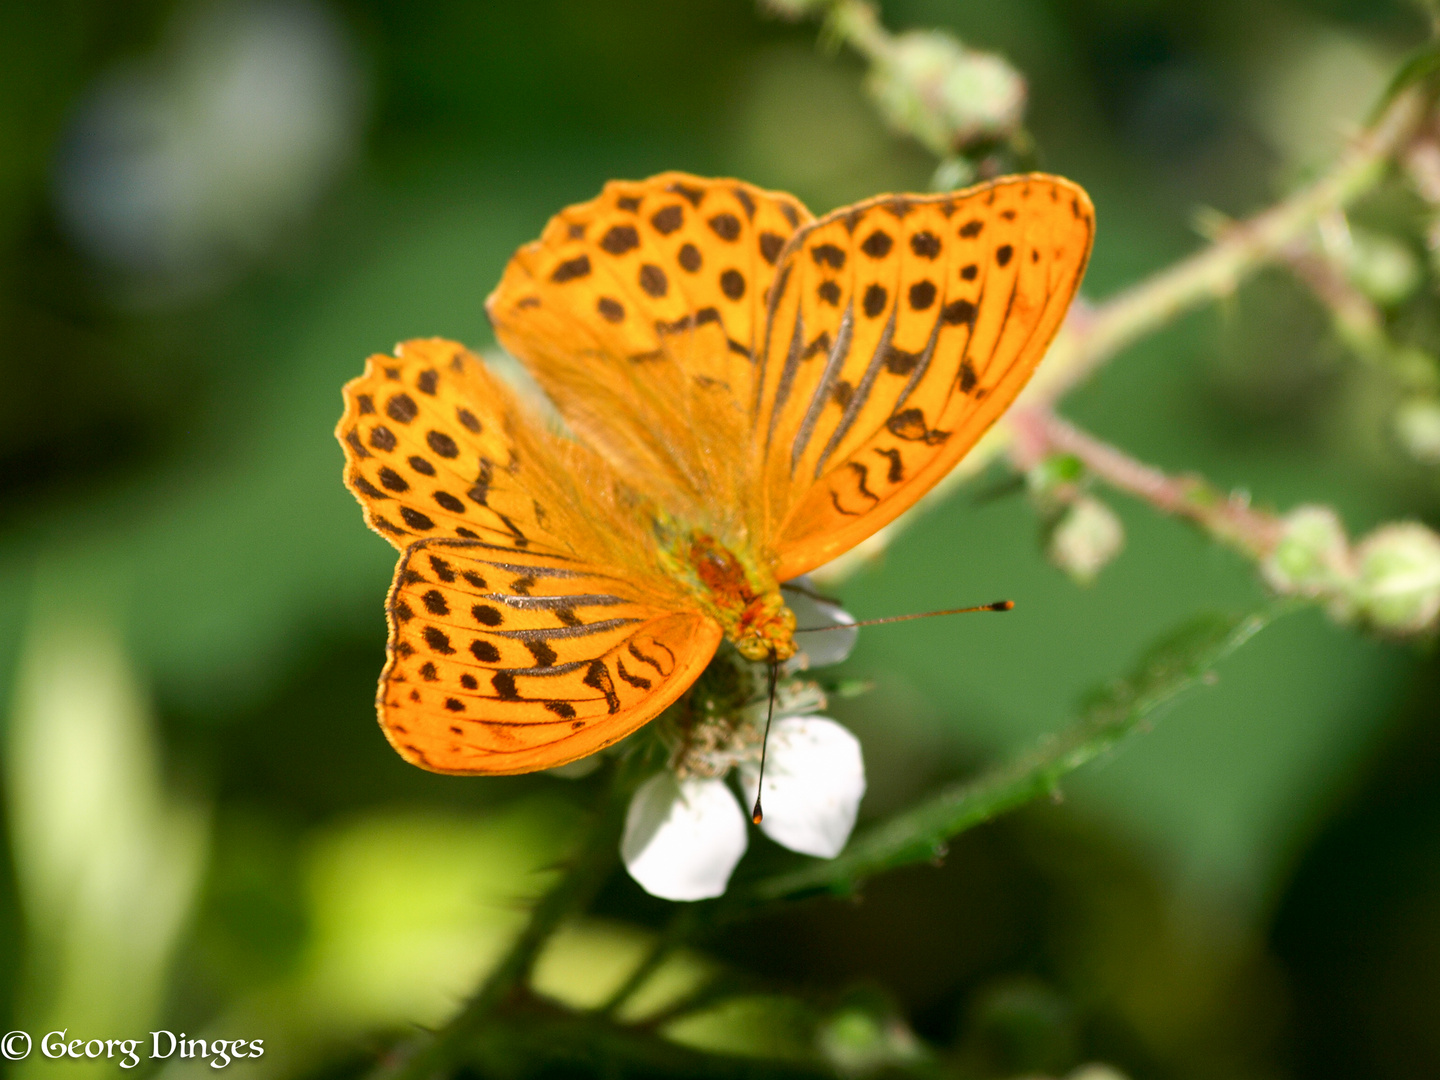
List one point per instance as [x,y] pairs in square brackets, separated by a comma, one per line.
[749,392]
[741,594]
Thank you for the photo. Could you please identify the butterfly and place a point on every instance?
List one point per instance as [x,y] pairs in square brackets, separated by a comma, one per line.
[749,392]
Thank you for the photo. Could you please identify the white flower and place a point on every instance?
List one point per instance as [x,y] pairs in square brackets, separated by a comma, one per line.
[683,837]
[812,612]
[685,830]
[814,779]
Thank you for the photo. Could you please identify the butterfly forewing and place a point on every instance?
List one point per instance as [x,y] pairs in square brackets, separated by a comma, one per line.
[900,330]
[508,662]
[641,313]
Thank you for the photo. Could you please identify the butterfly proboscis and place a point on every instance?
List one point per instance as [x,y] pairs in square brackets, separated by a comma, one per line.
[757,814]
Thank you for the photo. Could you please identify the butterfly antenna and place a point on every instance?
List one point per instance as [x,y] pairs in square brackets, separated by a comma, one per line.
[998,605]
[757,815]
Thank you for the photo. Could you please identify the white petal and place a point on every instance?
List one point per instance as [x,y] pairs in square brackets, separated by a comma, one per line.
[826,647]
[683,838]
[814,779]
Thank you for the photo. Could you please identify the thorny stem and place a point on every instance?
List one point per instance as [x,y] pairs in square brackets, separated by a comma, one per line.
[676,931]
[1359,323]
[1229,518]
[858,24]
[1092,336]
[595,856]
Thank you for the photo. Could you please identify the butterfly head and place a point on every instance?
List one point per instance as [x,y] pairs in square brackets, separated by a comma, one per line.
[765,629]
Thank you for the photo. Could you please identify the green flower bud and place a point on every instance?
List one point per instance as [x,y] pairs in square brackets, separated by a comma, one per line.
[1086,538]
[1417,426]
[858,1040]
[1313,555]
[947,96]
[1054,474]
[1398,586]
[1382,267]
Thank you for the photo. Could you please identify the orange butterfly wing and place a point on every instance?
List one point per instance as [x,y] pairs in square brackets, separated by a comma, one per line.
[791,385]
[641,313]
[508,663]
[900,329]
[526,627]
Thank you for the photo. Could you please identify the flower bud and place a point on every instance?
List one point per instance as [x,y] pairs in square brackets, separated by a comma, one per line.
[1054,474]
[1398,585]
[1381,267]
[1313,555]
[1417,426]
[1087,536]
[947,96]
[858,1040]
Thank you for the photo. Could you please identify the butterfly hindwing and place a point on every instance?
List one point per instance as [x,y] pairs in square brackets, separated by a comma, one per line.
[901,329]
[507,662]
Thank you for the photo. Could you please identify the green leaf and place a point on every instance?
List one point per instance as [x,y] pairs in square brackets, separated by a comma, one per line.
[1173,665]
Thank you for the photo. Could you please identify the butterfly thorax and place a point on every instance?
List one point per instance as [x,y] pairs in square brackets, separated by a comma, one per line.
[737,591]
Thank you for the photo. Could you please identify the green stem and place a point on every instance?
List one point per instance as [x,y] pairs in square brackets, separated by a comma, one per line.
[1092,337]
[857,23]
[595,856]
[1226,517]
[676,931]
[1361,325]
[540,1041]
[921,834]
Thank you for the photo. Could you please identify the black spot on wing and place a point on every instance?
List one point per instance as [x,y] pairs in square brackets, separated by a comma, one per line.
[442,444]
[667,219]
[571,269]
[653,280]
[726,227]
[925,244]
[877,245]
[438,641]
[598,676]
[620,239]
[415,519]
[732,284]
[401,408]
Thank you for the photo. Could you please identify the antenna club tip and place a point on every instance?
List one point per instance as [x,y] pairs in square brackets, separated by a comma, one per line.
[757,815]
[1003,605]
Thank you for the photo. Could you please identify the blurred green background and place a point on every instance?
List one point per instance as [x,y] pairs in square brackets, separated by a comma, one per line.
[211,213]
